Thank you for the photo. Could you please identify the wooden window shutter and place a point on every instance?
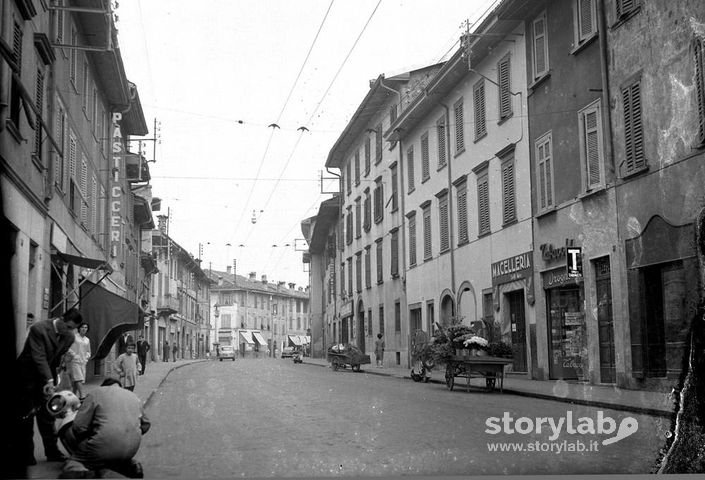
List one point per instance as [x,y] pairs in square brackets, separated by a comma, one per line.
[368,268]
[508,192]
[480,116]
[39,104]
[378,129]
[395,253]
[443,223]
[592,148]
[72,157]
[380,270]
[462,214]
[441,128]
[459,127]
[94,204]
[357,167]
[412,240]
[425,168]
[505,87]
[483,198]
[427,233]
[624,7]
[358,271]
[699,48]
[410,167]
[17,47]
[587,23]
[633,128]
[367,155]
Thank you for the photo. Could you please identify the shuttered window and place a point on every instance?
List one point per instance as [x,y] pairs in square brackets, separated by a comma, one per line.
[504,80]
[350,277]
[586,19]
[633,129]
[544,168]
[509,209]
[61,140]
[480,114]
[59,18]
[343,293]
[427,251]
[378,138]
[94,204]
[462,201]
[348,176]
[412,238]
[591,145]
[425,168]
[410,167]
[73,57]
[459,126]
[368,267]
[540,47]
[378,200]
[394,265]
[102,201]
[358,218]
[626,7]
[368,153]
[443,223]
[441,129]
[699,49]
[367,207]
[72,156]
[358,271]
[483,204]
[357,167]
[395,183]
[17,35]
[380,263]
[39,104]
[349,227]
[84,190]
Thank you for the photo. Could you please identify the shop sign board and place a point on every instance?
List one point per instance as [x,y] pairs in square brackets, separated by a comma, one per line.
[346,309]
[574,260]
[512,268]
[558,278]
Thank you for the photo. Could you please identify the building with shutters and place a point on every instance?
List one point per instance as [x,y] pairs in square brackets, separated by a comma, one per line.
[258,317]
[77,220]
[657,109]
[467,191]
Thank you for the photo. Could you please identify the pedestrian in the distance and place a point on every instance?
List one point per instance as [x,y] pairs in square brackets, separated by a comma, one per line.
[174,349]
[127,365]
[46,344]
[165,351]
[142,348]
[379,350]
[77,358]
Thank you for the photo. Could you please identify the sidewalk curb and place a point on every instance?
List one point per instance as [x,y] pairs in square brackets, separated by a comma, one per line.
[574,401]
[145,404]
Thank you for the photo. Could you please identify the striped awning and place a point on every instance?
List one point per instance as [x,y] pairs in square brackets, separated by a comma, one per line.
[259,338]
[246,337]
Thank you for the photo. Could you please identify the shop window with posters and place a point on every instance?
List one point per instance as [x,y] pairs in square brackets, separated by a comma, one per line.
[567,333]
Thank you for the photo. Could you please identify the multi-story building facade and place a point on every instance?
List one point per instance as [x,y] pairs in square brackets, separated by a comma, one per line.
[371,266]
[467,191]
[67,114]
[257,317]
[656,76]
[320,232]
[180,300]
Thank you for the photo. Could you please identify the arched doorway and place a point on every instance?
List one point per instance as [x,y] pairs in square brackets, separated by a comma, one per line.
[447,309]
[361,326]
[467,309]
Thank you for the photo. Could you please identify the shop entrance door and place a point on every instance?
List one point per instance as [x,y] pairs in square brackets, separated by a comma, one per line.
[518,324]
[361,327]
[344,332]
[566,327]
[605,323]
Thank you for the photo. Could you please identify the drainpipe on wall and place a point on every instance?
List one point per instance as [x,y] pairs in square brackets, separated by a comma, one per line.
[337,286]
[607,116]
[450,205]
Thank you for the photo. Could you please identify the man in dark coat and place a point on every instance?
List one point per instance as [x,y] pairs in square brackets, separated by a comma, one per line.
[47,342]
[122,342]
[165,351]
[142,349]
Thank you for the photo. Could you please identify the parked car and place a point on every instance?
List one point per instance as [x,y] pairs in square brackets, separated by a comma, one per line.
[227,352]
[287,352]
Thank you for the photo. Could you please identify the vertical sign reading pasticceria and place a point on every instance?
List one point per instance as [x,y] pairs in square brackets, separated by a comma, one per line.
[118,155]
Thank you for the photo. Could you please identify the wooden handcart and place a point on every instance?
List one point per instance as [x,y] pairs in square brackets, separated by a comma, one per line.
[490,368]
[341,356]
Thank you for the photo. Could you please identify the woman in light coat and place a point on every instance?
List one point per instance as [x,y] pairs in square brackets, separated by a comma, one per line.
[77,359]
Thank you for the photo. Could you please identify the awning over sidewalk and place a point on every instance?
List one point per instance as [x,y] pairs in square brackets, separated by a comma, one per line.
[108,316]
[85,262]
[246,336]
[259,338]
[294,340]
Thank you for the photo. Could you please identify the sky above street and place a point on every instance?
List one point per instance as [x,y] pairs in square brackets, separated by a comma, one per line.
[217,74]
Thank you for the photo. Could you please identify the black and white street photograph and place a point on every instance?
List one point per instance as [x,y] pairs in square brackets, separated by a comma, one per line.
[353,238]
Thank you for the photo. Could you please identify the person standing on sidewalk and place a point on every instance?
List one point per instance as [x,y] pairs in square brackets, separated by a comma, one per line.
[165,351]
[174,349]
[142,348]
[46,344]
[127,366]
[77,359]
[379,350]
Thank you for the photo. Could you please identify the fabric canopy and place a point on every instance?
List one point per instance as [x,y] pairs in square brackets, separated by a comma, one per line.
[84,262]
[108,316]
[259,338]
[294,340]
[246,337]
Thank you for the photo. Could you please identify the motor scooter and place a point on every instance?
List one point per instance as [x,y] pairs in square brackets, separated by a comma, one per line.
[298,356]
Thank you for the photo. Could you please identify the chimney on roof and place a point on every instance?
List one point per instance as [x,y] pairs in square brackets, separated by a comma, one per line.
[253,275]
[162,223]
[264,278]
[229,269]
[220,281]
[292,285]
[301,289]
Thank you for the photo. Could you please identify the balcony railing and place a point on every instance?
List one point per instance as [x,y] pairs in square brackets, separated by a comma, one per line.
[168,302]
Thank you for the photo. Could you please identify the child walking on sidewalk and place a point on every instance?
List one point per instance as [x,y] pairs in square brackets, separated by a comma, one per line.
[128,366]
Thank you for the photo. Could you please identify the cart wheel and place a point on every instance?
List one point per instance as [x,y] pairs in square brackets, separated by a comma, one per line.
[450,377]
[335,364]
[355,368]
[491,382]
